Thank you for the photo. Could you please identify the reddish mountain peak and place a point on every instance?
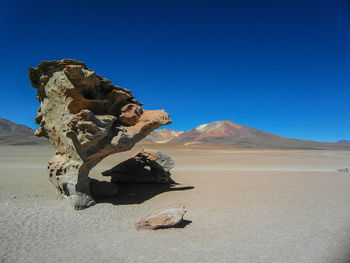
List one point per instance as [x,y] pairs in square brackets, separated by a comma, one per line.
[226,132]
[219,128]
[216,129]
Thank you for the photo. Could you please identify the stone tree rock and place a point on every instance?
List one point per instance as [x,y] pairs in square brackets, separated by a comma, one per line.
[86,118]
[146,166]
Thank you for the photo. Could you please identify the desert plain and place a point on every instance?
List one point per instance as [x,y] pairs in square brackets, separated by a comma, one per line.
[243,205]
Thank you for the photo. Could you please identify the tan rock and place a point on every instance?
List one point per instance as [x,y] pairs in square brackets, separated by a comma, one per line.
[86,118]
[164,219]
[131,114]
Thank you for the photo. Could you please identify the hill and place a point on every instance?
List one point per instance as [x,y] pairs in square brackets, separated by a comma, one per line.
[17,134]
[161,136]
[229,133]
[222,133]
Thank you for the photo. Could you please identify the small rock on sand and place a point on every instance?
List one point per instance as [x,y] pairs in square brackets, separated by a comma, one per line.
[164,219]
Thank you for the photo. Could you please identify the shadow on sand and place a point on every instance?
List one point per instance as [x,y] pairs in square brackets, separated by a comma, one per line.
[129,193]
[182,224]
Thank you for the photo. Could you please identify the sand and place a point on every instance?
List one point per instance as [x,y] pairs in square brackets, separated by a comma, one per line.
[245,206]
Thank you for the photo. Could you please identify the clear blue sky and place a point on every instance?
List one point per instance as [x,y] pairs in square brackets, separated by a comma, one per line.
[278,66]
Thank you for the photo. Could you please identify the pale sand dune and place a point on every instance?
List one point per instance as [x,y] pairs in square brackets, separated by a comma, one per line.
[246,206]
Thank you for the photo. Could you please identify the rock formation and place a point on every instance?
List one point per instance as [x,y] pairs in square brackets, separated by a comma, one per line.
[147,166]
[164,219]
[86,118]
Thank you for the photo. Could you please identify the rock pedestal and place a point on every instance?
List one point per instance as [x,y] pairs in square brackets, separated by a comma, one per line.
[86,118]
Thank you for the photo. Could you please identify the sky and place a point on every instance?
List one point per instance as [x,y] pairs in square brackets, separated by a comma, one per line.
[277,66]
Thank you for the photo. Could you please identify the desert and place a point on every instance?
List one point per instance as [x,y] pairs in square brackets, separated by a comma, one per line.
[253,205]
[174,131]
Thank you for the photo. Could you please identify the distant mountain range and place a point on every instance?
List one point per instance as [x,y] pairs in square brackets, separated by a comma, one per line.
[231,134]
[224,133]
[17,134]
[344,141]
[162,136]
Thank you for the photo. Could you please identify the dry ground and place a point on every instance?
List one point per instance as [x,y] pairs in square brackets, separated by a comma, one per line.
[245,206]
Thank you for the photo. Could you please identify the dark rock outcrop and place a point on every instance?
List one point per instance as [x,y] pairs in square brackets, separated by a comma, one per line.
[147,166]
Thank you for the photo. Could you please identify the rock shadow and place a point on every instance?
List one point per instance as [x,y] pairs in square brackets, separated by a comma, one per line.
[181,224]
[136,193]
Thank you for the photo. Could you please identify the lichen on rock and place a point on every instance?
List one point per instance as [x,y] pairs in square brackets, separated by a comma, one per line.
[86,118]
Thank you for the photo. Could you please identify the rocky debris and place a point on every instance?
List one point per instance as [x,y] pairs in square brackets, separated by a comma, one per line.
[164,219]
[86,118]
[146,166]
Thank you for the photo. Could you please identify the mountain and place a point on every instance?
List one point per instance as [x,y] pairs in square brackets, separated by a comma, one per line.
[162,136]
[215,133]
[232,134]
[17,134]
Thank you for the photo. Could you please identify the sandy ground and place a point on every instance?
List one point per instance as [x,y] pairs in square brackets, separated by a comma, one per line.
[245,206]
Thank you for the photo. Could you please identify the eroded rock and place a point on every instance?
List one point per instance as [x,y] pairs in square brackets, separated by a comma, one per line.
[86,118]
[164,219]
[146,166]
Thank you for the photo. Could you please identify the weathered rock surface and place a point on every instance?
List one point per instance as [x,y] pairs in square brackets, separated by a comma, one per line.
[147,166]
[86,118]
[164,219]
